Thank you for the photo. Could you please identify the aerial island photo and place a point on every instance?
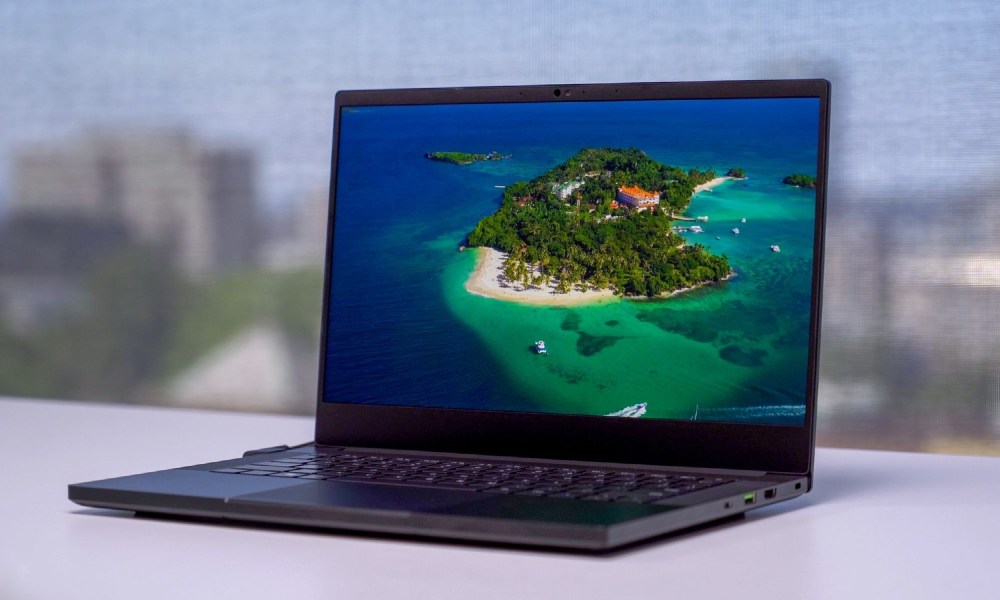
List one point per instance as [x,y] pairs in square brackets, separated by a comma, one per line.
[642,260]
[600,224]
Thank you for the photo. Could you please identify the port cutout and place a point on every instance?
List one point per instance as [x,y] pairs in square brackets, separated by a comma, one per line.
[798,486]
[770,494]
[749,497]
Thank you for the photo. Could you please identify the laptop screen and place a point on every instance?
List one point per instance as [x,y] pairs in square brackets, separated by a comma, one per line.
[649,259]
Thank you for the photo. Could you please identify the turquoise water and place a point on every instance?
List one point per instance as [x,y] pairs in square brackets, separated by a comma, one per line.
[405,330]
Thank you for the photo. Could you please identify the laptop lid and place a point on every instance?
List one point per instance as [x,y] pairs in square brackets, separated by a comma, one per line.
[614,272]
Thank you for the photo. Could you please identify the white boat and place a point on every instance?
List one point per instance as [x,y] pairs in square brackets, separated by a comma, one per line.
[775,248]
[743,220]
[736,230]
[696,229]
[540,347]
[636,410]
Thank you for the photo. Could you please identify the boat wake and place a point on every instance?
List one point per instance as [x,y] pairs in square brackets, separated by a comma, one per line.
[636,410]
[749,413]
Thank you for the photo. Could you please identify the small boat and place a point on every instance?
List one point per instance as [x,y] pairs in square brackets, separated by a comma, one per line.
[736,230]
[775,248]
[718,237]
[540,347]
[695,229]
[743,220]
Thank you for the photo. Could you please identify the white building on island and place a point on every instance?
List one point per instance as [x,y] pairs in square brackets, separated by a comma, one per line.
[564,190]
[637,198]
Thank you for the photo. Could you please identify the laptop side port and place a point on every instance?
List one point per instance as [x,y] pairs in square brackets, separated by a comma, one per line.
[749,498]
[770,494]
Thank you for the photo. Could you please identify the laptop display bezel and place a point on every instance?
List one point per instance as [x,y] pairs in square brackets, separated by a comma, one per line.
[772,448]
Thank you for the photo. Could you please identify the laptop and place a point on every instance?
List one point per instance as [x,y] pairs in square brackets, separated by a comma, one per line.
[572,316]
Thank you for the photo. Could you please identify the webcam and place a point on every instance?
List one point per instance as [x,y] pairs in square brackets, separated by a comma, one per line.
[557,92]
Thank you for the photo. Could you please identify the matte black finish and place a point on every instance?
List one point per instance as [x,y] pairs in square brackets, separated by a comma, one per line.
[699,444]
[198,492]
[772,459]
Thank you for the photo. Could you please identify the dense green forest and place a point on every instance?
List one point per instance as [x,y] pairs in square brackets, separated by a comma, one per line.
[565,224]
[800,180]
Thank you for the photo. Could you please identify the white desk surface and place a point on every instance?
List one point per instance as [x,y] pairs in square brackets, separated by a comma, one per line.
[877,525]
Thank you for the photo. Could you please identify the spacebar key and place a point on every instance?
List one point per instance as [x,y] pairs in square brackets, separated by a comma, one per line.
[423,484]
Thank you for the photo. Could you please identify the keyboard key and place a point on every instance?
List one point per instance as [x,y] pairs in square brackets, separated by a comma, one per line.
[268,468]
[600,497]
[504,489]
[571,495]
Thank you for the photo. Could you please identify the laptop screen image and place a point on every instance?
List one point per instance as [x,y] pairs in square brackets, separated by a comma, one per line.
[648,259]
[575,317]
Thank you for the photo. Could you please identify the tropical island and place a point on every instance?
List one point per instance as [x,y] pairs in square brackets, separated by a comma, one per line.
[800,180]
[736,173]
[598,225]
[465,158]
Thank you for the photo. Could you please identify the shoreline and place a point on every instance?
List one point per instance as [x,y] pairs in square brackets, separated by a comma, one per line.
[711,184]
[699,286]
[487,280]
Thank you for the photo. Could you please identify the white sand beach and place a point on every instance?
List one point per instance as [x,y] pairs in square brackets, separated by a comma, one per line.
[711,184]
[488,280]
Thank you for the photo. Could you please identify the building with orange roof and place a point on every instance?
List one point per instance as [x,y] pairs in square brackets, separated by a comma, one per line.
[637,198]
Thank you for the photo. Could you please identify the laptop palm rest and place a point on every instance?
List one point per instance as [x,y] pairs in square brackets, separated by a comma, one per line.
[332,495]
[327,497]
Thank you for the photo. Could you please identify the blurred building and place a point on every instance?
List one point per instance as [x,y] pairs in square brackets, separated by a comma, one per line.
[928,276]
[910,322]
[301,242]
[44,259]
[163,187]
[261,368]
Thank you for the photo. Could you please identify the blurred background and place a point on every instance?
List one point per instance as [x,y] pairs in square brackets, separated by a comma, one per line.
[164,166]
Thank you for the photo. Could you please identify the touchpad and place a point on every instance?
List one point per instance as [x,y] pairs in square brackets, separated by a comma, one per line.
[359,495]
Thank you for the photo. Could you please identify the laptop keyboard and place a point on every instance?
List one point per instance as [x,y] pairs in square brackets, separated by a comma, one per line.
[594,484]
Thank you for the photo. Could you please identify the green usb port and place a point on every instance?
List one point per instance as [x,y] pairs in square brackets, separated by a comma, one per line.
[749,497]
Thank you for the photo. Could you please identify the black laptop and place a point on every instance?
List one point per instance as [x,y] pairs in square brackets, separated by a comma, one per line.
[573,316]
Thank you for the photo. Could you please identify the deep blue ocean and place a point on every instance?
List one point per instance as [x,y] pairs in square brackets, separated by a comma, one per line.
[403,330]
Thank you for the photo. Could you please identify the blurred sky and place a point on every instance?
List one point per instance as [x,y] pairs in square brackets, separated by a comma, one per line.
[916,84]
